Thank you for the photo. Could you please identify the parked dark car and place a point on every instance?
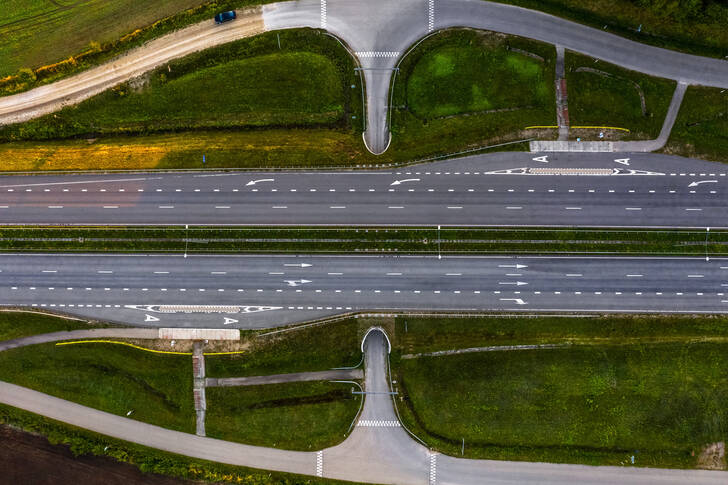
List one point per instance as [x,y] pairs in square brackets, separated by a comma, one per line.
[225,17]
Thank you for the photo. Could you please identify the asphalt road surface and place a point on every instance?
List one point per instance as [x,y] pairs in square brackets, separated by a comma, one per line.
[378,450]
[512,188]
[266,291]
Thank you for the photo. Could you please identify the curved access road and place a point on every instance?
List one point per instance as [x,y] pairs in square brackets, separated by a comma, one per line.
[379,450]
[379,33]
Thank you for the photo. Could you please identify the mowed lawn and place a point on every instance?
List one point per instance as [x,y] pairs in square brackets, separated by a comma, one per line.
[38,32]
[602,94]
[701,128]
[298,416]
[157,388]
[597,404]
[467,88]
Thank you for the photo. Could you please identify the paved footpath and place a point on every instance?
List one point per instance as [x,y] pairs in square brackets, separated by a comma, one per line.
[379,450]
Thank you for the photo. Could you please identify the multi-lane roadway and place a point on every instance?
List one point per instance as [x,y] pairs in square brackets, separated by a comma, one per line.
[514,189]
[265,291]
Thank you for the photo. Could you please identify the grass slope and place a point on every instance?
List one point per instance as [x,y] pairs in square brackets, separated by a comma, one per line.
[648,386]
[464,88]
[112,378]
[302,416]
[248,83]
[611,98]
[419,334]
[701,128]
[24,324]
[314,348]
[697,27]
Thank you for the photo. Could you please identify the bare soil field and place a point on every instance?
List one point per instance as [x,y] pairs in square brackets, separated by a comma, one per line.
[29,459]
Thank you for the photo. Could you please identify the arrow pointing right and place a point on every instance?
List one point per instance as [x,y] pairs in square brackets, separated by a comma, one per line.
[300,265]
[517,266]
[517,300]
[517,283]
[297,282]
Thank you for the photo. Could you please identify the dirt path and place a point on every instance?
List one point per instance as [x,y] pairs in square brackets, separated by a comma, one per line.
[72,90]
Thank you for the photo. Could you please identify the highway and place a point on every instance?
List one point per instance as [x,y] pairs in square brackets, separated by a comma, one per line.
[251,291]
[501,189]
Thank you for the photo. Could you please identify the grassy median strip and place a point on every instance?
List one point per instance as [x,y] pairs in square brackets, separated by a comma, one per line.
[200,239]
[155,388]
[605,95]
[304,416]
[648,387]
[463,88]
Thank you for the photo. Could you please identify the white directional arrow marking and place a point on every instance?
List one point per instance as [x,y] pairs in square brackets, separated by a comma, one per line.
[297,282]
[623,161]
[228,321]
[695,184]
[517,300]
[397,182]
[300,265]
[517,283]
[517,266]
[149,318]
[543,159]
[253,182]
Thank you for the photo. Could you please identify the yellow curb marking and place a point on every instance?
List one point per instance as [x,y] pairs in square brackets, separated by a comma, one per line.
[143,348]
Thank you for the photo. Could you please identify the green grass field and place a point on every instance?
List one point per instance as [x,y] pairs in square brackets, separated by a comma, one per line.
[37,32]
[701,128]
[429,334]
[112,378]
[244,84]
[465,88]
[695,27]
[653,387]
[315,348]
[302,416]
[23,324]
[611,97]
[34,33]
